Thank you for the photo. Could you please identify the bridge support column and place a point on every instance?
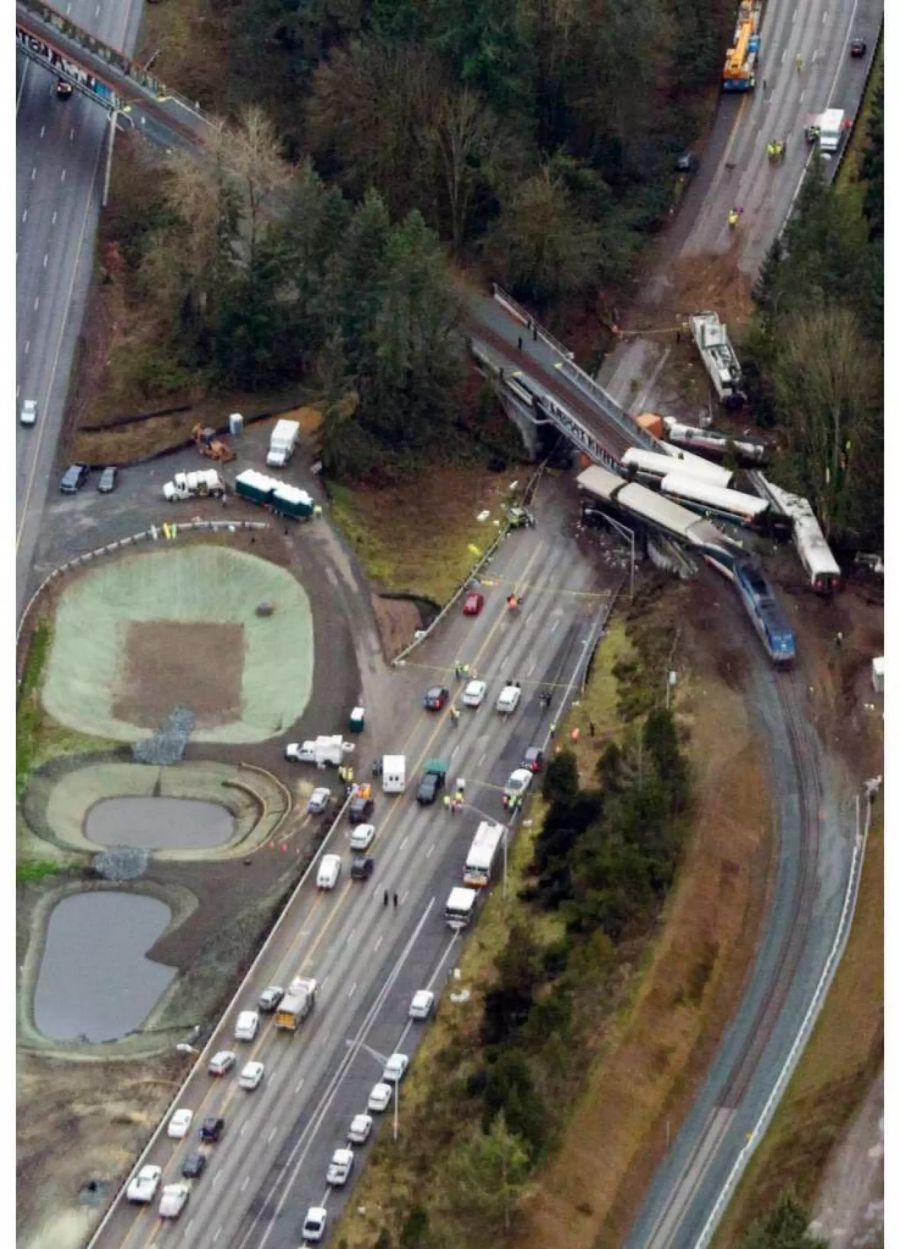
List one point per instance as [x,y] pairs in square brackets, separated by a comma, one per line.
[113,118]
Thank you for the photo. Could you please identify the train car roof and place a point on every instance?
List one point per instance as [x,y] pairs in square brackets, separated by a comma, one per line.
[662,463]
[716,496]
[600,481]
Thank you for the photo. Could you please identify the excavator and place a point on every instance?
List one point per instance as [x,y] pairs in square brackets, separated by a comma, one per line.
[210,446]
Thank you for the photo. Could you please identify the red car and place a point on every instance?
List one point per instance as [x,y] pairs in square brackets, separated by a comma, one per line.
[473,604]
[436,697]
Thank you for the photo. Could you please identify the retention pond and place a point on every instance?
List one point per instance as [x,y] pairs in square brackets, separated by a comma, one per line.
[95,981]
[158,823]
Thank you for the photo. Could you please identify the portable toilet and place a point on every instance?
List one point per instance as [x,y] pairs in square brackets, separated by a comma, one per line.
[357,719]
[235,424]
[878,674]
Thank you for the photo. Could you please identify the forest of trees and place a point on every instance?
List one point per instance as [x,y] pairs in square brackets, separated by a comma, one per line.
[817,347]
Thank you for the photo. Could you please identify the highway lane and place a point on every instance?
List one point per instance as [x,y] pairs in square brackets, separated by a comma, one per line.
[60,155]
[369,959]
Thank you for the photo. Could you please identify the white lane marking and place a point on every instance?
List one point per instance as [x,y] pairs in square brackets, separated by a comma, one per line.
[97,11]
[28,347]
[43,131]
[480,758]
[531,669]
[218,1233]
[71,134]
[352,989]
[52,219]
[298,1087]
[46,258]
[404,841]
[802,94]
[783,55]
[187,1230]
[68,9]
[555,625]
[37,302]
[245,1183]
[270,1136]
[824,17]
[24,216]
[350,935]
[378,941]
[216,1177]
[243,1130]
[793,17]
[33,172]
[62,176]
[327,1034]
[22,84]
[430,851]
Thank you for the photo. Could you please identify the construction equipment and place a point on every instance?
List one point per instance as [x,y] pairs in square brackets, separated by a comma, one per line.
[776,149]
[739,73]
[211,446]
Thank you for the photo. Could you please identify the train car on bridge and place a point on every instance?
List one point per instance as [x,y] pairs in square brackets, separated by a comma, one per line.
[653,466]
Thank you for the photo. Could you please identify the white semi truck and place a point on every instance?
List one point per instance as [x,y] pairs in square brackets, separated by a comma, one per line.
[197,485]
[283,443]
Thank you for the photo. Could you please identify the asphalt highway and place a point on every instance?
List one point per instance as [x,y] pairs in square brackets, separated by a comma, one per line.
[60,156]
[370,958]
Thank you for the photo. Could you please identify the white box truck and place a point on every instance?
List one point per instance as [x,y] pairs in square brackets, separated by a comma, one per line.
[197,485]
[830,127]
[296,1004]
[393,774]
[282,443]
[460,907]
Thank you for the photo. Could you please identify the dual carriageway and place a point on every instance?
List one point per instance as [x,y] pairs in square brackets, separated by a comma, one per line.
[369,959]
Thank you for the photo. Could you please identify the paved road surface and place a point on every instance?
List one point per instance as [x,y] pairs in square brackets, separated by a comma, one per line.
[369,959]
[735,170]
[60,154]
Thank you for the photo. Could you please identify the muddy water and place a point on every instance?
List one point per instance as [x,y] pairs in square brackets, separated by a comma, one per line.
[94,982]
[159,823]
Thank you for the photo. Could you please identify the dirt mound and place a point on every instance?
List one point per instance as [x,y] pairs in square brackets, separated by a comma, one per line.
[167,663]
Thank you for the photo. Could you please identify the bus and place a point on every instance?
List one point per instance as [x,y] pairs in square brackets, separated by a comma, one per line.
[482,854]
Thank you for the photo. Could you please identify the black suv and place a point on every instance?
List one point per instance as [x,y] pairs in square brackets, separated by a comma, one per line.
[429,787]
[360,809]
[362,867]
[212,1129]
[74,478]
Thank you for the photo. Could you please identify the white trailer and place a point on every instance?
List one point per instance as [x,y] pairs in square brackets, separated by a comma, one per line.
[393,774]
[653,466]
[711,336]
[323,751]
[283,443]
[483,854]
[460,907]
[710,500]
[194,485]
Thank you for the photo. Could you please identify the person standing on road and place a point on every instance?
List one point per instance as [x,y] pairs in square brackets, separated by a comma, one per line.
[447,802]
[798,61]
[386,898]
[395,901]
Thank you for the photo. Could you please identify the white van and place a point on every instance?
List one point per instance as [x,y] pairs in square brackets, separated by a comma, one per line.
[247,1026]
[329,871]
[393,774]
[508,699]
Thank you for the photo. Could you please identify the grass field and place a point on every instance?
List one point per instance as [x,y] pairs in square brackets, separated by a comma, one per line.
[426,552]
[837,1067]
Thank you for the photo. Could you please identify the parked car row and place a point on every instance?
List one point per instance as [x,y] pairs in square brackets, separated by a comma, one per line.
[77,474]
